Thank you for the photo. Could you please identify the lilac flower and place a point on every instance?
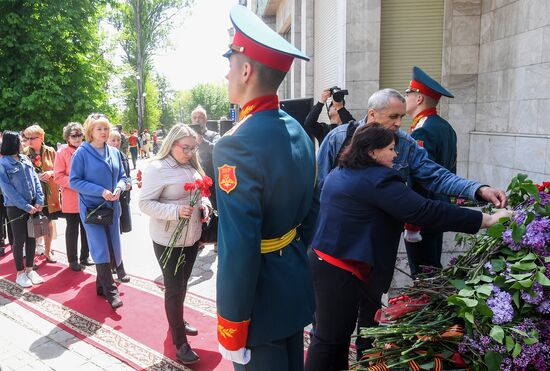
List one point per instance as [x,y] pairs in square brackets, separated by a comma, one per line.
[531,355]
[544,329]
[501,304]
[537,236]
[508,240]
[453,260]
[489,267]
[544,307]
[506,364]
[519,216]
[534,296]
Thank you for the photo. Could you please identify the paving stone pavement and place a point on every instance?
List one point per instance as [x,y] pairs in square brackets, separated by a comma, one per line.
[29,342]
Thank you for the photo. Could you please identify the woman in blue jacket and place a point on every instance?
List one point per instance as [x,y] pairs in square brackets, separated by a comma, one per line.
[364,203]
[98,176]
[23,196]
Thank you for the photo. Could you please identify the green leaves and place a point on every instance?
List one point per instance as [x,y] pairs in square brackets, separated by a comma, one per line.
[497,333]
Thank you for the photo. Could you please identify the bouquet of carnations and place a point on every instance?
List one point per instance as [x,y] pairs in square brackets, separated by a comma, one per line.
[197,189]
[488,310]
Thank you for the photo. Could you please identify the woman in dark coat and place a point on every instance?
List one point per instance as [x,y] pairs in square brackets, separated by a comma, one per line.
[364,203]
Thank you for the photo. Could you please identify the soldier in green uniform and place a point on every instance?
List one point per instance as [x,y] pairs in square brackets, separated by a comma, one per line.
[265,172]
[438,137]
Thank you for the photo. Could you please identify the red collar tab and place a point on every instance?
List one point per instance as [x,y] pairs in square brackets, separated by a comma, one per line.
[260,53]
[427,112]
[416,85]
[259,104]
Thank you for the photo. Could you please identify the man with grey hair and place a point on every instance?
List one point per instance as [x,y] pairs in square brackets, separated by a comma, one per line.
[387,107]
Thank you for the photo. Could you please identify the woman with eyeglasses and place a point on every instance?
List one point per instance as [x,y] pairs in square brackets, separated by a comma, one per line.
[73,135]
[22,197]
[97,174]
[43,158]
[164,199]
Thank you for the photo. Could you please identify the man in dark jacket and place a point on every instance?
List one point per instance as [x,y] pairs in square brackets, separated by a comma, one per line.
[337,114]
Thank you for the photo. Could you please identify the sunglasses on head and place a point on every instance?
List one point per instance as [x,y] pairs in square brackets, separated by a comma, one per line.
[97,116]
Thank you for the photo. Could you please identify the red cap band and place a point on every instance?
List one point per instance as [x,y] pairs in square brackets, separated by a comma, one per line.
[264,55]
[424,89]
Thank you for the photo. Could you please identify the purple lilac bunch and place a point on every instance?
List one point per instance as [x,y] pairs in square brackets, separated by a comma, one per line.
[536,237]
[535,295]
[500,303]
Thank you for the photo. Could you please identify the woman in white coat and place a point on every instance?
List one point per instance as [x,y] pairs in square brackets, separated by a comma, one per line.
[165,200]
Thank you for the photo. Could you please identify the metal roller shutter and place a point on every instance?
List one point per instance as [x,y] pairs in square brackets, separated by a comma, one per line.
[411,34]
[326,58]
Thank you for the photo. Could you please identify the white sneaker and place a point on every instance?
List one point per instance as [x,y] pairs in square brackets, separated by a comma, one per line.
[35,278]
[23,280]
[40,249]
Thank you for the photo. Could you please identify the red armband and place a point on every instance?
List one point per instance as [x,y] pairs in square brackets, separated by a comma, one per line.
[232,335]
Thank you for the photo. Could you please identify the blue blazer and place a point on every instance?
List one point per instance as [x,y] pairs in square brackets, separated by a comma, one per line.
[19,182]
[90,175]
[275,172]
[362,213]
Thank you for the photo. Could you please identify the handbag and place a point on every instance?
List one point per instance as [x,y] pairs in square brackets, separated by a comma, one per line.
[100,215]
[209,233]
[38,226]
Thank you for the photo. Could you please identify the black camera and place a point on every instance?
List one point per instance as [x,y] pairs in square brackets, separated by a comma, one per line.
[337,94]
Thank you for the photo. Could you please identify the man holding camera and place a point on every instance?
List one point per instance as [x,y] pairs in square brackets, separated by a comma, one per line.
[337,114]
[206,140]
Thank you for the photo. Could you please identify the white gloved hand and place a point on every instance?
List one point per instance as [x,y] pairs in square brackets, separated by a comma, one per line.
[412,236]
[241,356]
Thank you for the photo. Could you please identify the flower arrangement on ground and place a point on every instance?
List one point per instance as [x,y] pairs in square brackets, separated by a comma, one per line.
[197,189]
[488,310]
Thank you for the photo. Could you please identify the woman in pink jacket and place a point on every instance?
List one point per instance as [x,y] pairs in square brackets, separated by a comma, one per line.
[73,134]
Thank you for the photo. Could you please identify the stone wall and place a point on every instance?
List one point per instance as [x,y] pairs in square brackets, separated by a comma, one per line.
[512,119]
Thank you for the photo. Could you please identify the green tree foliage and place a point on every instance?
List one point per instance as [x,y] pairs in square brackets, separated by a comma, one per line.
[212,97]
[166,102]
[52,65]
[144,26]
[152,111]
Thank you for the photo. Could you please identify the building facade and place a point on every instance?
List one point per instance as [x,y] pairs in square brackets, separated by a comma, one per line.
[494,55]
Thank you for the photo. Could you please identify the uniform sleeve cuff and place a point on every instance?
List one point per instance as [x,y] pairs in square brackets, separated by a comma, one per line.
[232,335]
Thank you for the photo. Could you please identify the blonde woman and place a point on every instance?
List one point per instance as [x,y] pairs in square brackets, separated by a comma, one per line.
[43,159]
[164,199]
[98,176]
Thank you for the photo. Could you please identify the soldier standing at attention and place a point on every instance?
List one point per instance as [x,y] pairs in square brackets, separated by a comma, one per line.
[439,139]
[265,168]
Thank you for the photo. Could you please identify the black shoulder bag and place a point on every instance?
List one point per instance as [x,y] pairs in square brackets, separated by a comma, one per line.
[102,214]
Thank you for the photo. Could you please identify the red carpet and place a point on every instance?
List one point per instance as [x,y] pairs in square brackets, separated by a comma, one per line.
[137,333]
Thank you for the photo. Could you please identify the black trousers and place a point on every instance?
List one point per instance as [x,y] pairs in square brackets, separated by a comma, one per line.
[338,294]
[71,238]
[21,237]
[176,288]
[426,252]
[281,355]
[5,230]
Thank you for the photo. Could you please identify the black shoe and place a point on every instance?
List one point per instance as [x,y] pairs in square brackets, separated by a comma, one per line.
[124,279]
[190,330]
[2,251]
[116,302]
[186,355]
[87,262]
[75,266]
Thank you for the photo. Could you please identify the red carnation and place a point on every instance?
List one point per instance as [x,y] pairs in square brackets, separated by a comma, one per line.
[205,192]
[139,184]
[138,176]
[207,181]
[188,187]
[199,184]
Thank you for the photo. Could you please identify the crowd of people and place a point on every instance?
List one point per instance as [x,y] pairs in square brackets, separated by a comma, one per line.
[304,237]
